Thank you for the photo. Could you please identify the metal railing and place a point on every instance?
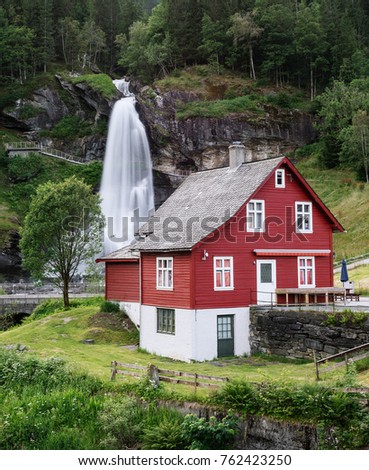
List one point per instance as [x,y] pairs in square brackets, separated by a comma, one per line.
[49,151]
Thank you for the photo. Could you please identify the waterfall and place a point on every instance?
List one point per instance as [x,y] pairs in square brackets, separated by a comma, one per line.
[127,186]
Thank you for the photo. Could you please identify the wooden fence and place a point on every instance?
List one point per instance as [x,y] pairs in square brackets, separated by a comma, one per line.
[156,375]
[350,355]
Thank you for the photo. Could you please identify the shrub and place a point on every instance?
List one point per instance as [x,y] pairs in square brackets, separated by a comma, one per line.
[167,435]
[70,127]
[120,421]
[45,308]
[109,307]
[22,168]
[213,434]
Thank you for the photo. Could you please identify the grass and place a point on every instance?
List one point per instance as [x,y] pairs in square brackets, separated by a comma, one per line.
[360,277]
[101,83]
[220,108]
[62,334]
[216,95]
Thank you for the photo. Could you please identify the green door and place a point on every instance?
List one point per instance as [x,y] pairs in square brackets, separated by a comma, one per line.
[225,330]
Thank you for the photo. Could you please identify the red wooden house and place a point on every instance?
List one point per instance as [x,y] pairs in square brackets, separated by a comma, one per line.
[226,239]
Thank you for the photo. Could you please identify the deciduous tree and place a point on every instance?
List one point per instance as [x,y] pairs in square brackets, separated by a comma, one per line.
[61,231]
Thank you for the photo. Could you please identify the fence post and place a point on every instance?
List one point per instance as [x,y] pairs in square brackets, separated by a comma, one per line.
[195,383]
[346,362]
[153,375]
[114,370]
[316,365]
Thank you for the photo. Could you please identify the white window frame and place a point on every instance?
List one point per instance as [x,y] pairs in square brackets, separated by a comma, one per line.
[250,227]
[166,326]
[223,270]
[165,270]
[303,213]
[280,173]
[305,268]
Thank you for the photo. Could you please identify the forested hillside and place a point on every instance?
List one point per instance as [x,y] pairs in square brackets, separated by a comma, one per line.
[281,66]
[308,44]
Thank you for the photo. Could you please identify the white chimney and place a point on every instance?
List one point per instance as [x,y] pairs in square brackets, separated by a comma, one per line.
[237,154]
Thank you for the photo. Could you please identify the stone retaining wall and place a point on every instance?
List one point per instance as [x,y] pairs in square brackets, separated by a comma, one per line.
[295,334]
[258,432]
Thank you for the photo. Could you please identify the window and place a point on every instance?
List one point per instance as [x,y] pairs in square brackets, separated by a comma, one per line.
[223,273]
[280,179]
[306,272]
[255,216]
[304,217]
[164,273]
[166,321]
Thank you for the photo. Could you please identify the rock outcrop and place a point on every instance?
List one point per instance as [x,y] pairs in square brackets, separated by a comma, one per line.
[202,143]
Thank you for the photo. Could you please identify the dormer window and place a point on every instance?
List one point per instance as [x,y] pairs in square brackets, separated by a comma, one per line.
[280,181]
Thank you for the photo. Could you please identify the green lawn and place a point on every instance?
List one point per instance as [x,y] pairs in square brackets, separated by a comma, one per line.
[360,277]
[61,335]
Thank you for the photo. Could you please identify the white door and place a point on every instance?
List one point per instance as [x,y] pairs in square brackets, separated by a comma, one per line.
[266,273]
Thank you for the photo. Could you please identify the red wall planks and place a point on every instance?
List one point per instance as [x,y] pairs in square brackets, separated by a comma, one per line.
[180,296]
[123,281]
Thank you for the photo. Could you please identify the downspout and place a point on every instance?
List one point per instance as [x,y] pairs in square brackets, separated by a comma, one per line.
[140,292]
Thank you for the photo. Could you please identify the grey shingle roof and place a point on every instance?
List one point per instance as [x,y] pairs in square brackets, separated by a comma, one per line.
[125,253]
[203,202]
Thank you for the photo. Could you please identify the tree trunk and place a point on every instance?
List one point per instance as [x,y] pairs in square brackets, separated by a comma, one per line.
[66,292]
[252,68]
[311,82]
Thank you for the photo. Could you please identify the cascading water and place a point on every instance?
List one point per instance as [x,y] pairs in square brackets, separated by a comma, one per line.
[127,186]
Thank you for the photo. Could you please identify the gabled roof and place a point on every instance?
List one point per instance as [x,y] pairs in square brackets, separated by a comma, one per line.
[203,203]
[127,253]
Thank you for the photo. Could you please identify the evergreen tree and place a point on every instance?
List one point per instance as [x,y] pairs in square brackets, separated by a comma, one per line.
[310,42]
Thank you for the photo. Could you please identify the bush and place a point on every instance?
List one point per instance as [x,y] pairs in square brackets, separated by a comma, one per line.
[109,307]
[206,435]
[45,308]
[167,435]
[121,424]
[22,168]
[70,127]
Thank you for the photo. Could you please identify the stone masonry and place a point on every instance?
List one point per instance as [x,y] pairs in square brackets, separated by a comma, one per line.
[296,333]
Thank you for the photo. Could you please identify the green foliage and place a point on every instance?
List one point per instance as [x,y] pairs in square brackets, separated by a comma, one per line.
[167,435]
[109,307]
[69,128]
[211,434]
[101,83]
[120,421]
[346,317]
[307,403]
[28,111]
[220,108]
[45,406]
[45,308]
[61,230]
[24,168]
[10,319]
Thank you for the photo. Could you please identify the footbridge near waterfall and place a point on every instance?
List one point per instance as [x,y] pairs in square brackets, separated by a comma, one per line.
[16,148]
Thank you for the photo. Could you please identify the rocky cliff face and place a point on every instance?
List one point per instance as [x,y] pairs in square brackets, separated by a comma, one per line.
[177,145]
[202,143]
